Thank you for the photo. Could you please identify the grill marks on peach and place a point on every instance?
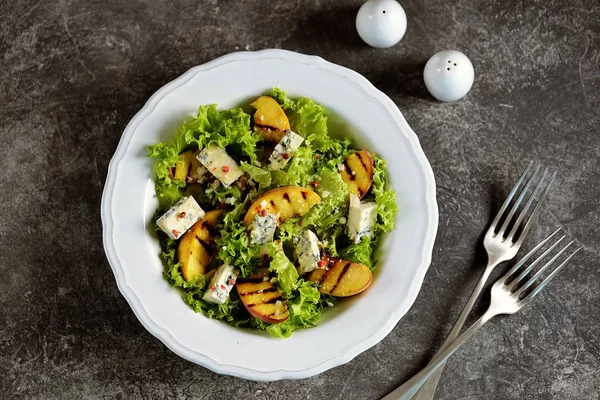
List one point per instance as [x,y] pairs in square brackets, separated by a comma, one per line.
[263,300]
[288,202]
[342,279]
[358,172]
[195,251]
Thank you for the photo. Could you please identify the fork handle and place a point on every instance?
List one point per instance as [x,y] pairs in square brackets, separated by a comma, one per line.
[427,391]
[410,388]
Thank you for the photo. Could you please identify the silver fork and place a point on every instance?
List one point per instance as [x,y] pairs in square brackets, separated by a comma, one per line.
[510,293]
[501,244]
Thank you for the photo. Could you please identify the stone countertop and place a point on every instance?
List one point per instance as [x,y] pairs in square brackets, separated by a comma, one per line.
[75,72]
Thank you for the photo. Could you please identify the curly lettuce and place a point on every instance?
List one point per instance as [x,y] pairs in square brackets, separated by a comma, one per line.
[314,165]
[229,129]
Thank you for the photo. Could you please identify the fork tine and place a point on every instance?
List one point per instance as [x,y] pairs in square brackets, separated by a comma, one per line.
[525,209]
[542,284]
[510,196]
[527,270]
[535,277]
[526,258]
[517,203]
[536,210]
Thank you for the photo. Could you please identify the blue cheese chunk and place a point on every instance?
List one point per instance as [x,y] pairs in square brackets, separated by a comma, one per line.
[361,219]
[285,149]
[220,284]
[179,218]
[263,228]
[306,246]
[220,164]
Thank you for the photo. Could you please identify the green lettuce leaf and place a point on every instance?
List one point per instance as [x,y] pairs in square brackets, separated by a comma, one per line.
[234,243]
[257,174]
[287,275]
[387,207]
[229,129]
[360,252]
[305,311]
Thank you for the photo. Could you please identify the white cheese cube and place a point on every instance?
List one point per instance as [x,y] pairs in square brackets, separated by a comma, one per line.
[263,228]
[285,149]
[361,219]
[306,246]
[220,164]
[220,284]
[179,218]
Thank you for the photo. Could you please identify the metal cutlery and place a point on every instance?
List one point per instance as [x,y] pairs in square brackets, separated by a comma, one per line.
[502,241]
[509,294]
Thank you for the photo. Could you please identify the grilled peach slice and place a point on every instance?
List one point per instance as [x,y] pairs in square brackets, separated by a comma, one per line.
[189,168]
[194,251]
[270,119]
[358,172]
[287,201]
[262,299]
[341,278]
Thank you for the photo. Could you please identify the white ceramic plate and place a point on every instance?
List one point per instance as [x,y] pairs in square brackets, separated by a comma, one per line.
[128,203]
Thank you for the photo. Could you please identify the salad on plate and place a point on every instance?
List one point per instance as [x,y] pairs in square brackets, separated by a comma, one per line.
[264,218]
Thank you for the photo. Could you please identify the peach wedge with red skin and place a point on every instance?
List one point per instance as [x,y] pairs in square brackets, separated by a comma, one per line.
[342,278]
[287,201]
[270,119]
[358,172]
[194,252]
[262,299]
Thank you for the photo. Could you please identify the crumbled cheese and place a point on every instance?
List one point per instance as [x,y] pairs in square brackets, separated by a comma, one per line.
[230,200]
[342,220]
[325,194]
[341,167]
[220,164]
[263,228]
[179,218]
[220,284]
[361,219]
[285,149]
[306,246]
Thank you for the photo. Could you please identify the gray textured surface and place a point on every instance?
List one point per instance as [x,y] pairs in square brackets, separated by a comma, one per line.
[73,74]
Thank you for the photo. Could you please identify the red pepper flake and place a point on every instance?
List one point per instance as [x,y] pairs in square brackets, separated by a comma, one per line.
[315,184]
[285,156]
[225,168]
[231,282]
[221,205]
[318,156]
[181,215]
[299,222]
[263,212]
[214,169]
[223,287]
[322,264]
[213,288]
[176,233]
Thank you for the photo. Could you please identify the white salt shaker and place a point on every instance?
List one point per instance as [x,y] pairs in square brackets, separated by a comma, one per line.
[448,75]
[381,23]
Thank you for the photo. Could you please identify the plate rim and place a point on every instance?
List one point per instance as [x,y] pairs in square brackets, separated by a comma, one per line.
[244,372]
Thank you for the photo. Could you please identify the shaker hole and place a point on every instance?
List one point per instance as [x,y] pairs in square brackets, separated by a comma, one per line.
[455,64]
[448,68]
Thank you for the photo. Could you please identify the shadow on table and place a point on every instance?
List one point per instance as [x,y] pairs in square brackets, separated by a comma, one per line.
[468,281]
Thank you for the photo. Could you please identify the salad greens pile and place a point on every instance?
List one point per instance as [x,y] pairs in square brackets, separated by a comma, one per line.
[317,160]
